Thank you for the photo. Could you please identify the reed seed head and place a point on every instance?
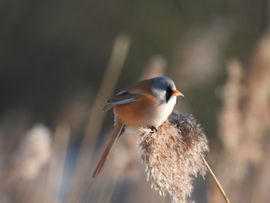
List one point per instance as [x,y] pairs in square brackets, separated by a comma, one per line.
[34,152]
[172,156]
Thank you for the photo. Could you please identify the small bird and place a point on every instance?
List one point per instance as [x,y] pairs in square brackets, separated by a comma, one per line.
[145,103]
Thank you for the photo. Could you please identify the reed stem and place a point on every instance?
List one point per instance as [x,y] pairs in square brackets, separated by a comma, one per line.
[216,180]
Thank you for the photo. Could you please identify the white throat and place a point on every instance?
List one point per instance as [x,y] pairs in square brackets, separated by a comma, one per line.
[163,111]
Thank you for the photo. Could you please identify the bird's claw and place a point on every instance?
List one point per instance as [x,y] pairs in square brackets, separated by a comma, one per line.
[153,129]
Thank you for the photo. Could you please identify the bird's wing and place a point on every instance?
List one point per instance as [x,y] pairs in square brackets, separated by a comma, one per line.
[130,94]
[117,131]
[123,97]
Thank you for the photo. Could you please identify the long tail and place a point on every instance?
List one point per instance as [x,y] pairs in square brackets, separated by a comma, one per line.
[117,131]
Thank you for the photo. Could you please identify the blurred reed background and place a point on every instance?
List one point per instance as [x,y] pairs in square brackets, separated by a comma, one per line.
[61,60]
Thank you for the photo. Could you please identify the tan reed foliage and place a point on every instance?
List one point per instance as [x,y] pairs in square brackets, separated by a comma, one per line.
[257,97]
[244,126]
[245,115]
[94,122]
[172,156]
[54,179]
[33,153]
[26,164]
[230,117]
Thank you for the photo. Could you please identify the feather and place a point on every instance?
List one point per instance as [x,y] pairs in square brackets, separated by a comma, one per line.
[117,131]
[122,97]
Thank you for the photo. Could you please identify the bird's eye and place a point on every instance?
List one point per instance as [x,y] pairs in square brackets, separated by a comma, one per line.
[168,90]
[168,93]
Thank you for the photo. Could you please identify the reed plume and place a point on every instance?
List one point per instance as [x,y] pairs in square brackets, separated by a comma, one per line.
[244,126]
[172,156]
[33,153]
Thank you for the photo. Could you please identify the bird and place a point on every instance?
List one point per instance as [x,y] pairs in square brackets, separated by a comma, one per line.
[147,103]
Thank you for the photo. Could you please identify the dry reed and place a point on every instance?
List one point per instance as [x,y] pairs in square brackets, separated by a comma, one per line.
[30,158]
[95,120]
[172,156]
[244,126]
[33,153]
[54,180]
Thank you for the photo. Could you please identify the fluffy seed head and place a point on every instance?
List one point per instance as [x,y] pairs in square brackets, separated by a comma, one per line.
[172,156]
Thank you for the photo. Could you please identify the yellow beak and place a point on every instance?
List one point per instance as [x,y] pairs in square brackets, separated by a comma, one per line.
[177,93]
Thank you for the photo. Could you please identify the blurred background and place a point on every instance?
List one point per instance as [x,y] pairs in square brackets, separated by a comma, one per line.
[61,60]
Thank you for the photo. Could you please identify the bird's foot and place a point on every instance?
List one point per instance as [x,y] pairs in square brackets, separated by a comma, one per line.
[153,129]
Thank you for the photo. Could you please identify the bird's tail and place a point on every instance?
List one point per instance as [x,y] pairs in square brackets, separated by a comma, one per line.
[117,131]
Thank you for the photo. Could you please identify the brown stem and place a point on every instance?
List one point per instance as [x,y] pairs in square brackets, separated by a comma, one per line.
[216,180]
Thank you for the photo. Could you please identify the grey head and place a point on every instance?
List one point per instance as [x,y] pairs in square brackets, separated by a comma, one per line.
[163,88]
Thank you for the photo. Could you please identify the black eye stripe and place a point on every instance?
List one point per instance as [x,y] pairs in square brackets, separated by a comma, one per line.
[169,92]
[169,89]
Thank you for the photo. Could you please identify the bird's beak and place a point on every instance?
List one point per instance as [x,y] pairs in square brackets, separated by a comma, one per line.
[177,93]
